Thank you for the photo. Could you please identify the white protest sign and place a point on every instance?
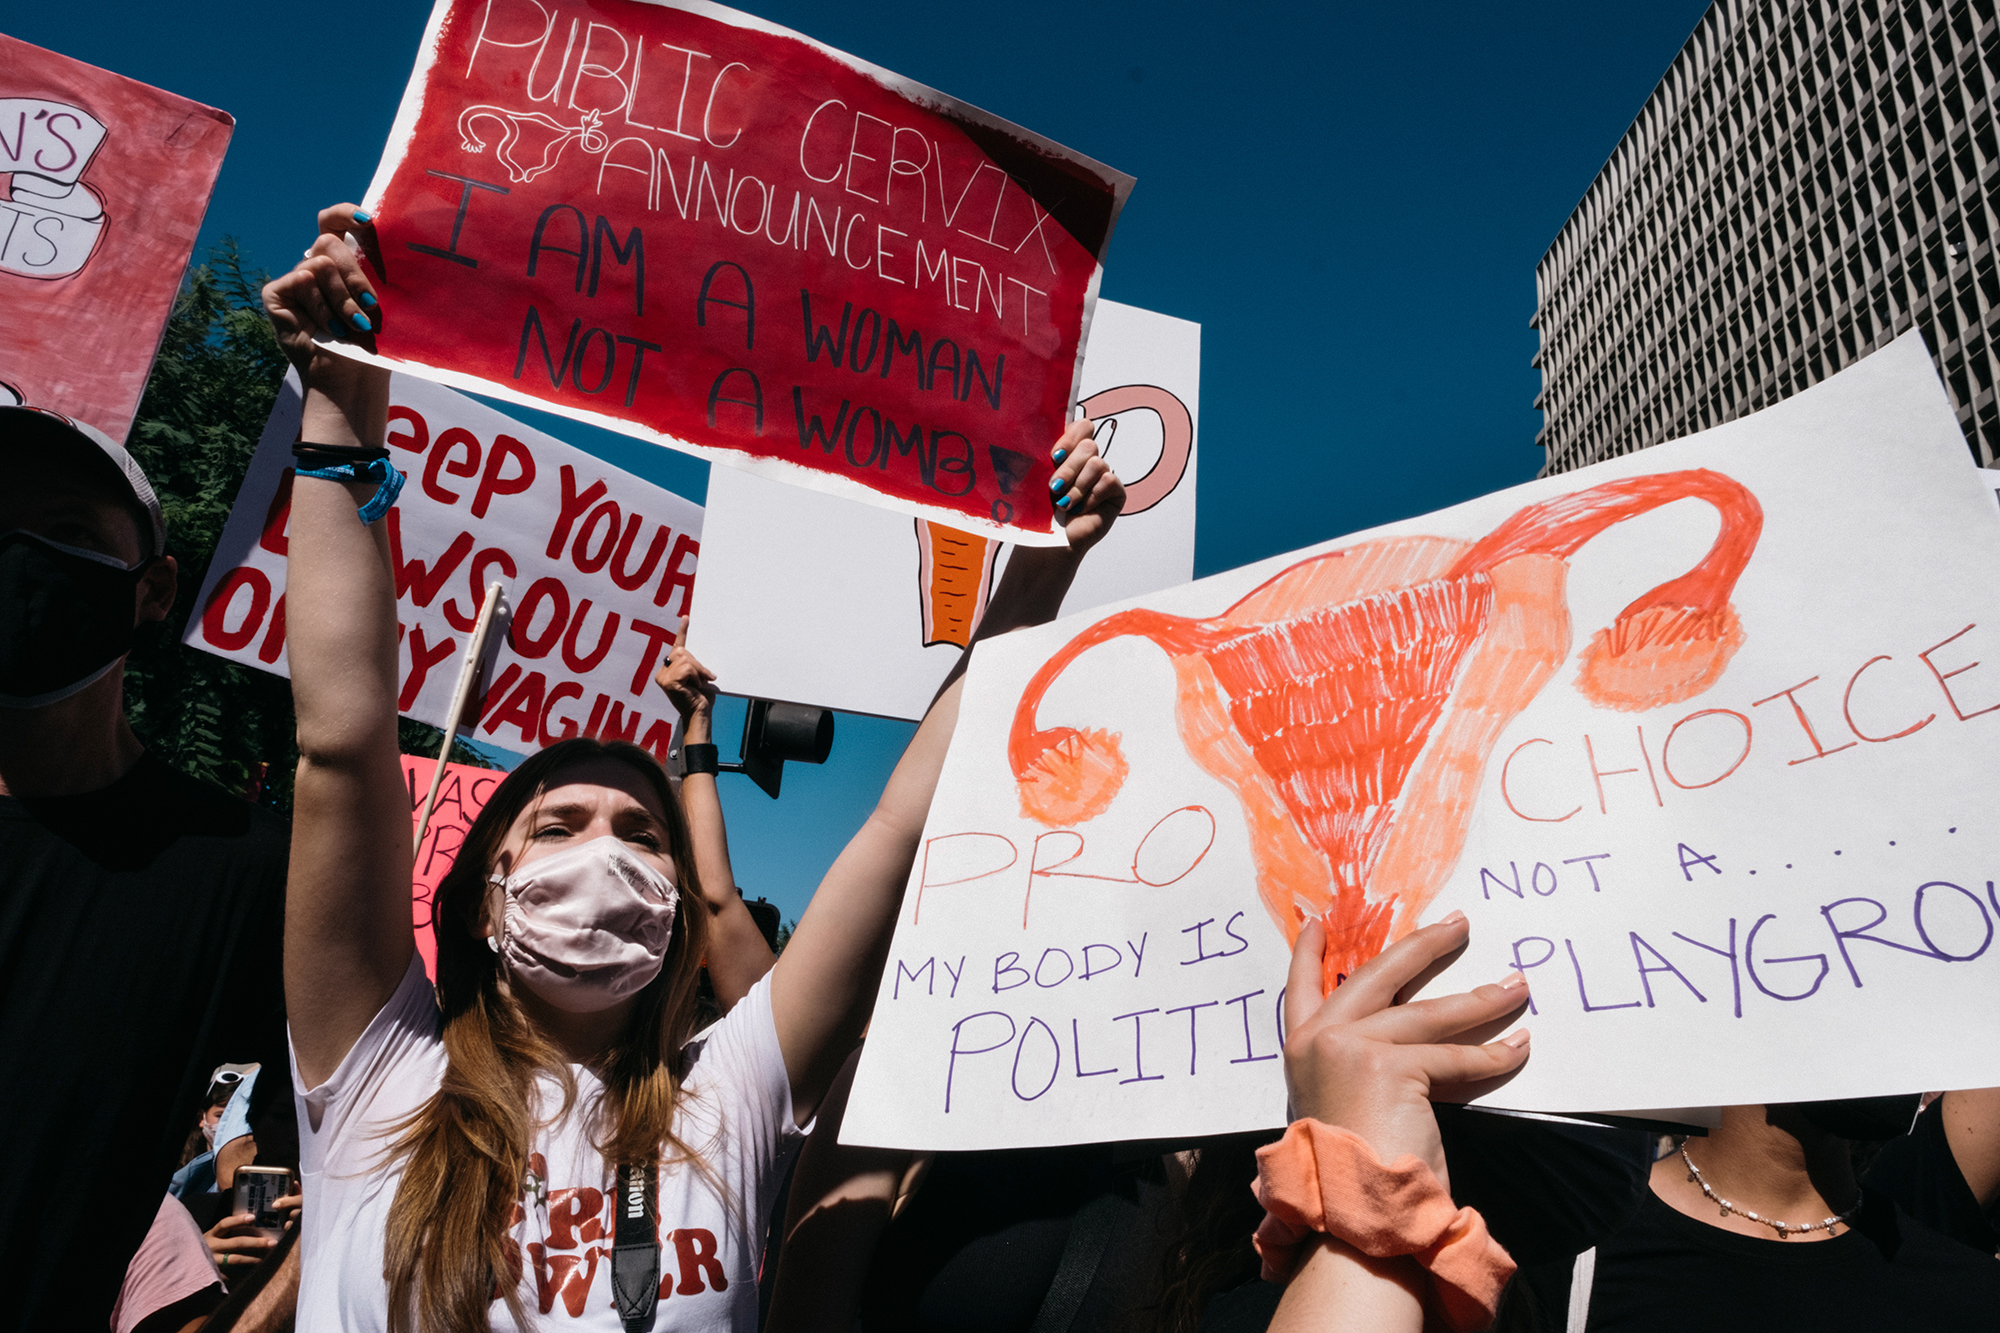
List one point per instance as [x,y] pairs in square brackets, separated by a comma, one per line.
[1700,738]
[814,599]
[597,565]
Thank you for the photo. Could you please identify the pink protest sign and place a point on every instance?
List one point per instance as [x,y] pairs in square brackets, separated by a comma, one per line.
[680,222]
[460,799]
[103,185]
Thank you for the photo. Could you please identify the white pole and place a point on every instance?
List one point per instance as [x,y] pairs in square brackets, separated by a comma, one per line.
[468,677]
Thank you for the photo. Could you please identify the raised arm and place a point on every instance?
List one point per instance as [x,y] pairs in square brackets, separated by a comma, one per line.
[347,904]
[737,954]
[828,974]
[1366,1068]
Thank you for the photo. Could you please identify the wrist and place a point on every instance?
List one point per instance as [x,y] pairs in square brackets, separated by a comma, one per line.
[346,401]
[1031,590]
[1320,1180]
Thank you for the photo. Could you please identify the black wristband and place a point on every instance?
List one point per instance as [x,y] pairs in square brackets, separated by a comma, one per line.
[700,759]
[314,456]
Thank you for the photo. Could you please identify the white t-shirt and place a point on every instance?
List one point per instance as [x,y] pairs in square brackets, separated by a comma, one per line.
[736,1112]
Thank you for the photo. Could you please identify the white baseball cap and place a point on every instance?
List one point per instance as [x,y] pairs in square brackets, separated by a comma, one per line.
[38,428]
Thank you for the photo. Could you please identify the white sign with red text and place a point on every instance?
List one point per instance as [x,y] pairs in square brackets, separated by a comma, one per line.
[597,565]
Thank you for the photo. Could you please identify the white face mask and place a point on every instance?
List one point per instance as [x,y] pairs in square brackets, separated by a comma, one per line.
[586,927]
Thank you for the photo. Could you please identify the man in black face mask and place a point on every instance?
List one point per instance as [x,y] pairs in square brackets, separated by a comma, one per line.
[141,912]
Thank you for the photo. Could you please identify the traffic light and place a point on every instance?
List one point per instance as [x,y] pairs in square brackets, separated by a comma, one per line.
[774,733]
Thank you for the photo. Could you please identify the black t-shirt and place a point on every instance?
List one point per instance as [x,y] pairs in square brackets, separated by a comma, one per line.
[1919,1172]
[140,936]
[1663,1270]
[976,1249]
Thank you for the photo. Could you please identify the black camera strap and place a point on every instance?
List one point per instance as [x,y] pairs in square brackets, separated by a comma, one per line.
[635,1254]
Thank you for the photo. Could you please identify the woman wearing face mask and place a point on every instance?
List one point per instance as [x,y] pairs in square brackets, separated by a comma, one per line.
[541,1144]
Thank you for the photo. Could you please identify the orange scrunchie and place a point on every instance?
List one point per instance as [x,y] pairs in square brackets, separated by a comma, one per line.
[1320,1178]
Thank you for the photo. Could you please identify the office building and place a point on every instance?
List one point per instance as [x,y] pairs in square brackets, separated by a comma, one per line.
[1809,180]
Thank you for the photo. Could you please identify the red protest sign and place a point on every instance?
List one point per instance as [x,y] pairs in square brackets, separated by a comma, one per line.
[461,797]
[686,224]
[103,184]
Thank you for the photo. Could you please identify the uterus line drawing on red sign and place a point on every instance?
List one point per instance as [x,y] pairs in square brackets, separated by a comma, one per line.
[1351,700]
[955,569]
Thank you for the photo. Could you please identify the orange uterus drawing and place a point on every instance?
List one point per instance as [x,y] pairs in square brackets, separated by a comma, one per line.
[1351,701]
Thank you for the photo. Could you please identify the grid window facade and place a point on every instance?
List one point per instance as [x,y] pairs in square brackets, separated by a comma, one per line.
[1810,179]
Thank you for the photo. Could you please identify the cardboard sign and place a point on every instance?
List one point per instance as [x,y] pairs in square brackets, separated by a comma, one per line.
[103,184]
[1699,738]
[875,621]
[681,222]
[598,568]
[460,799]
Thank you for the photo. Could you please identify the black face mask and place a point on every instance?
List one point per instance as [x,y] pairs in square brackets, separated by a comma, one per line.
[1864,1119]
[65,618]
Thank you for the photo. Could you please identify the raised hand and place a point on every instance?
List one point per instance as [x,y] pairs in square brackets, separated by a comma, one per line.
[1363,1061]
[1085,491]
[327,295]
[688,684]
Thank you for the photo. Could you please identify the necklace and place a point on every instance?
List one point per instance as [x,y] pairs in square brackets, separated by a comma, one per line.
[1784,1229]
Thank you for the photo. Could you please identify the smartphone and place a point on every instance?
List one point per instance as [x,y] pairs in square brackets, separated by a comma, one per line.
[258,1189]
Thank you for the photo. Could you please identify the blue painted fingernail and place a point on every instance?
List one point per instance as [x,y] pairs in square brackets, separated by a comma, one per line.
[1061,454]
[368,299]
[361,322]
[360,216]
[1056,484]
[1063,503]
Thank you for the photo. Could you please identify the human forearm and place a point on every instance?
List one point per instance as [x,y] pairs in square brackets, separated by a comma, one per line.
[738,955]
[830,968]
[832,965]
[340,624]
[1337,1286]
[1031,590]
[340,586]
[842,1197]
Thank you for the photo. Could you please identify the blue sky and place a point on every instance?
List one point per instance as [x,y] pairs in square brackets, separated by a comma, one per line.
[1350,199]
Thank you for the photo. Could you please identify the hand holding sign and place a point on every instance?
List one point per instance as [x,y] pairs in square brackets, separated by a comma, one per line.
[1363,1061]
[688,684]
[1088,495]
[327,296]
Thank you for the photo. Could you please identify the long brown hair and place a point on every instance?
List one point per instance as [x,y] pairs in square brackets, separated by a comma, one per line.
[448,1254]
[1208,1248]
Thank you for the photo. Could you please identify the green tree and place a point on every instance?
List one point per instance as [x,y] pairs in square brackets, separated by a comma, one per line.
[205,405]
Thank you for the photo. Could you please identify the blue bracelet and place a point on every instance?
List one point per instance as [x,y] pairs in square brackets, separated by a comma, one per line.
[380,470]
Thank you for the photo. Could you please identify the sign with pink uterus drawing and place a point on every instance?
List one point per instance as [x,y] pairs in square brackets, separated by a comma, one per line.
[1698,738]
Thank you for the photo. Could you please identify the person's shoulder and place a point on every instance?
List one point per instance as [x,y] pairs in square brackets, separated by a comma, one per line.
[201,809]
[739,1046]
[1920,1172]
